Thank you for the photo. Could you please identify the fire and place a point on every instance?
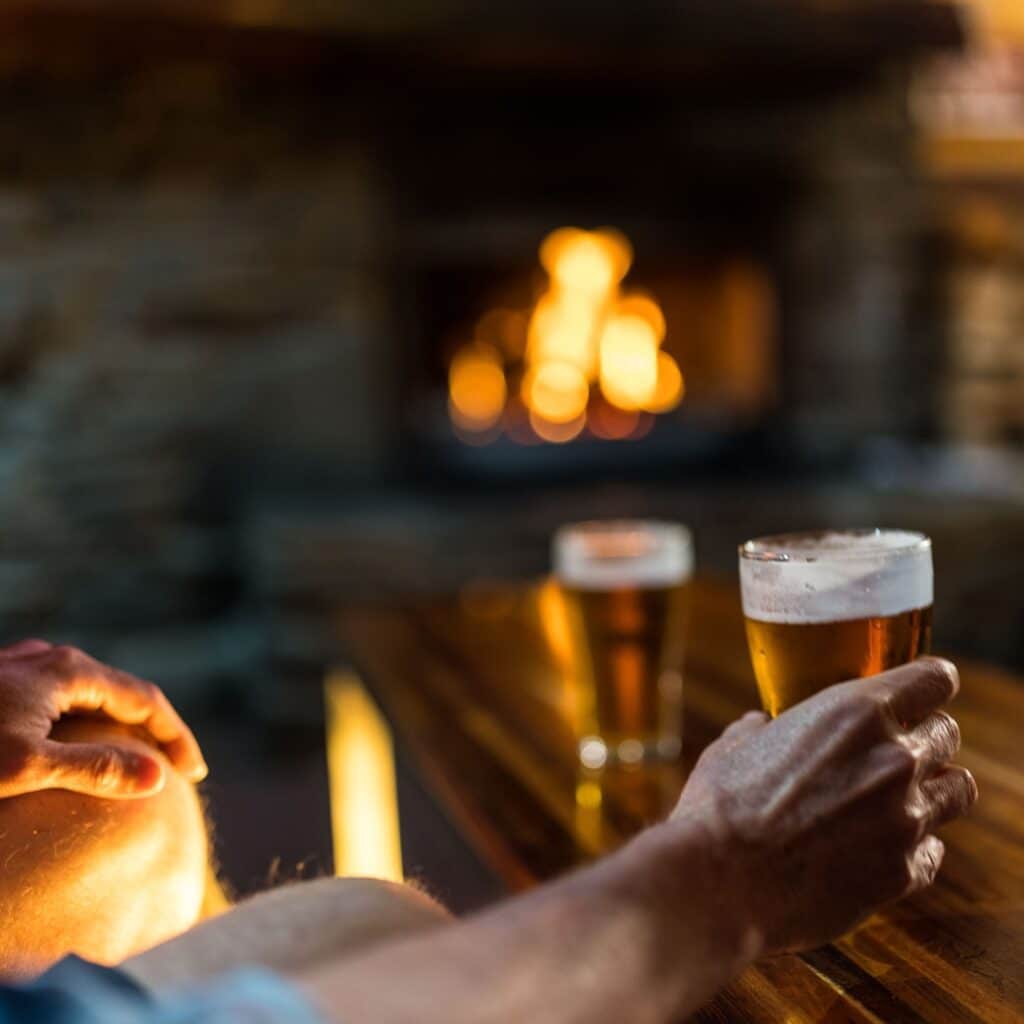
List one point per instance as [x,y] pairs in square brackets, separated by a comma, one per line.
[476,388]
[668,385]
[558,392]
[590,348]
[629,361]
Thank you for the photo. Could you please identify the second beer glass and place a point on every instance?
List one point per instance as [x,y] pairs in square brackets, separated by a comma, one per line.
[625,586]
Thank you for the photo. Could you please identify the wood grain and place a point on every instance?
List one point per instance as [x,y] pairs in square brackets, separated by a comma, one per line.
[474,687]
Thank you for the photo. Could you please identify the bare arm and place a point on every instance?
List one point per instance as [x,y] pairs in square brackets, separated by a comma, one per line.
[290,930]
[787,834]
[596,947]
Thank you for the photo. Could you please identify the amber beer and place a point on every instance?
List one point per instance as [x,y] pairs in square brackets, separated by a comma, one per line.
[821,608]
[625,588]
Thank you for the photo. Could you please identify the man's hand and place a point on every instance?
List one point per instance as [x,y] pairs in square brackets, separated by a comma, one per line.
[825,813]
[39,683]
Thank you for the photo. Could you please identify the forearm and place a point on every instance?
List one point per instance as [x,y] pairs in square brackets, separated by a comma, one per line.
[290,929]
[638,937]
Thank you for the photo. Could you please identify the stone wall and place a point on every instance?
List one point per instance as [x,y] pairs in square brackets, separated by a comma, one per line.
[190,321]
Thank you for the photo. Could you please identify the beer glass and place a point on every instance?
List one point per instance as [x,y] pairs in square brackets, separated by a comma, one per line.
[625,594]
[824,607]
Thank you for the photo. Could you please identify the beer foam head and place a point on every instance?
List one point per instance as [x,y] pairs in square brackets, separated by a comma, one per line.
[835,575]
[622,553]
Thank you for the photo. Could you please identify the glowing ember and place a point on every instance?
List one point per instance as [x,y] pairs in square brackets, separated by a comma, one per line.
[557,391]
[629,362]
[476,388]
[668,389]
[556,433]
[564,329]
[587,354]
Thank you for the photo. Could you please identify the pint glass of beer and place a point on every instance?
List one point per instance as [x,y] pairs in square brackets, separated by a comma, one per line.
[824,607]
[625,592]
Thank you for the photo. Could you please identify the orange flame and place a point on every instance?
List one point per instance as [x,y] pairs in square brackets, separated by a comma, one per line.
[584,339]
[476,388]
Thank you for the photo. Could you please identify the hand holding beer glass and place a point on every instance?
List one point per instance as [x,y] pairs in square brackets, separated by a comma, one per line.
[821,608]
[625,590]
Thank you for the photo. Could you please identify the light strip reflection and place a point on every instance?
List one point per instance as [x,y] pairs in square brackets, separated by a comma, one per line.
[361,776]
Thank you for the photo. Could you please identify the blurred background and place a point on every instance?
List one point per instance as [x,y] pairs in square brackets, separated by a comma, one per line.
[334,302]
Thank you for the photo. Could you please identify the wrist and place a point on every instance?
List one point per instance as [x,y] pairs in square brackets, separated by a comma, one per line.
[685,877]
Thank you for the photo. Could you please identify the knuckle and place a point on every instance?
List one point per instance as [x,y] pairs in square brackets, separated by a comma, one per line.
[65,658]
[150,692]
[940,675]
[899,763]
[947,732]
[875,710]
[915,821]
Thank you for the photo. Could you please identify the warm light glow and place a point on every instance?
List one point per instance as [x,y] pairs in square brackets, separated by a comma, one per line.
[588,795]
[476,387]
[557,433]
[629,362]
[643,306]
[564,329]
[610,423]
[587,353]
[668,389]
[503,330]
[555,622]
[558,392]
[361,774]
[644,425]
[588,262]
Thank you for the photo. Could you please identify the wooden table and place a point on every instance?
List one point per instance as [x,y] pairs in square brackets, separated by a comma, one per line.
[474,689]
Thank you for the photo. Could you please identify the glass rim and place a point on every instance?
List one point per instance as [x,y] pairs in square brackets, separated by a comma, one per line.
[598,553]
[760,549]
[660,527]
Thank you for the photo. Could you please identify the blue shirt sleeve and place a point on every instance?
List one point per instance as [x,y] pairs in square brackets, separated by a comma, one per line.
[78,992]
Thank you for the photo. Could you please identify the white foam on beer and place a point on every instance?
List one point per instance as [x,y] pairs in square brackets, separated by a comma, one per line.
[835,576]
[622,553]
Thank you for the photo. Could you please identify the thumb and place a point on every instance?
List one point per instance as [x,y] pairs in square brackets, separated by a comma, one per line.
[102,769]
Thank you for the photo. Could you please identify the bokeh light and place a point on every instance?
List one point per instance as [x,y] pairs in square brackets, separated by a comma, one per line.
[476,387]
[556,433]
[504,330]
[609,423]
[564,329]
[588,262]
[558,392]
[629,362]
[587,354]
[641,305]
[669,387]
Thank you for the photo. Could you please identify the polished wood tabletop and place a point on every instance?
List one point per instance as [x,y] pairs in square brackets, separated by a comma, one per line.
[476,692]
